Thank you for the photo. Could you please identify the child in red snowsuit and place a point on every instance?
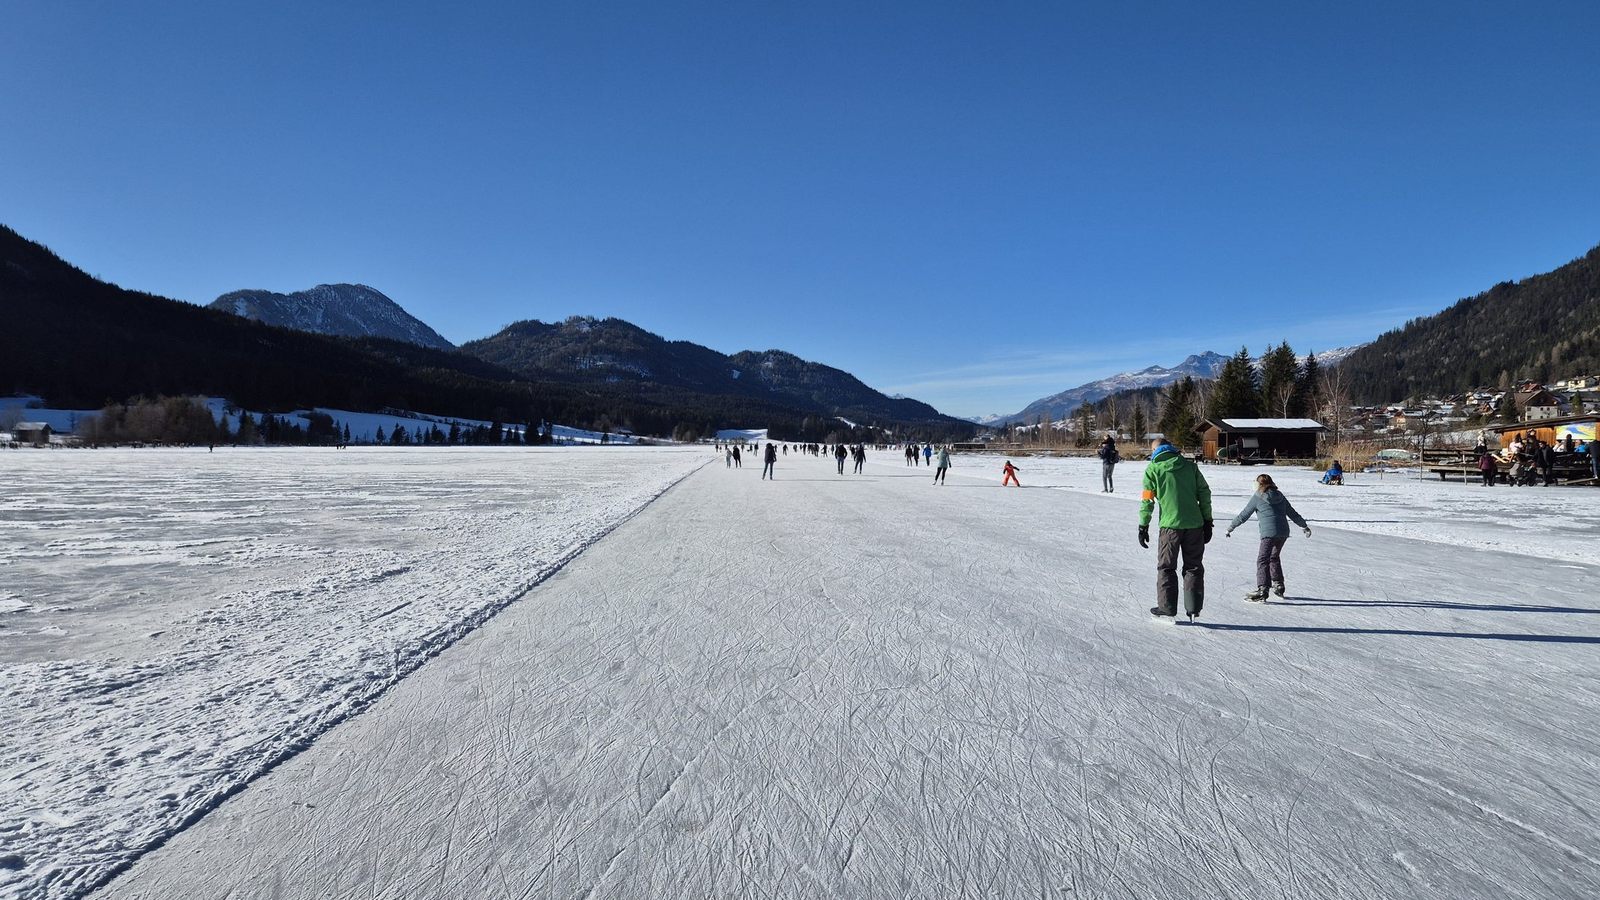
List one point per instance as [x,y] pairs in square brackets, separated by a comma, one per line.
[1011,475]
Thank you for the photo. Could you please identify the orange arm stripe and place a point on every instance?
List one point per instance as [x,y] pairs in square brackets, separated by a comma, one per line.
[1149,495]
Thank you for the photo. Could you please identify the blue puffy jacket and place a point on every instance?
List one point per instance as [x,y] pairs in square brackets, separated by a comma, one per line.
[1273,513]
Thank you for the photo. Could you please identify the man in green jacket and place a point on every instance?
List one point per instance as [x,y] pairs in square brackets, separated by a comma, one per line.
[1175,482]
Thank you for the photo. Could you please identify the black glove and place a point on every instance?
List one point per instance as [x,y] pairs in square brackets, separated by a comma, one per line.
[1144,536]
[1209,528]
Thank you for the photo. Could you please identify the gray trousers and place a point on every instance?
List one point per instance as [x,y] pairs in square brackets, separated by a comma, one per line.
[1191,542]
[1105,475]
[1269,561]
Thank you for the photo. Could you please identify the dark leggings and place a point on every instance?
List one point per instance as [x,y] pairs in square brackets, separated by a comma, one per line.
[938,474]
[1269,561]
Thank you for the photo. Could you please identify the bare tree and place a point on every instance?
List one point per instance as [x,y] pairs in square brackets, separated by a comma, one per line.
[1281,399]
[1335,399]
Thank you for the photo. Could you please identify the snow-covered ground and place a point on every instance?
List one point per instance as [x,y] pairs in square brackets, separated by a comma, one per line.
[174,622]
[820,685]
[1554,523]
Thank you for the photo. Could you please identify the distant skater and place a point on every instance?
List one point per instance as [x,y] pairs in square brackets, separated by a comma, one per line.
[1010,475]
[1488,467]
[1175,482]
[941,464]
[737,463]
[1109,457]
[860,453]
[927,454]
[1273,513]
[911,456]
[839,455]
[771,462]
[728,455]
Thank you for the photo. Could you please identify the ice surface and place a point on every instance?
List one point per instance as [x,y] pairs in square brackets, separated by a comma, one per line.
[869,686]
[191,618]
[822,685]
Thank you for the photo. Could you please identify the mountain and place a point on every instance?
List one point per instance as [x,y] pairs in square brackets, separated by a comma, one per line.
[1064,404]
[612,351]
[83,343]
[347,310]
[1538,329]
[1201,365]
[825,388]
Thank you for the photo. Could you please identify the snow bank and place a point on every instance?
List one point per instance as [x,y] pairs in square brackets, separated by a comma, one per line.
[174,623]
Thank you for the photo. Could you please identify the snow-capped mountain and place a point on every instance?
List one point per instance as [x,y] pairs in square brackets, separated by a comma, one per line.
[1200,365]
[347,310]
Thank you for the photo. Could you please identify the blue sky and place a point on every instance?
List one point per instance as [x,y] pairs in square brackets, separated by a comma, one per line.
[973,204]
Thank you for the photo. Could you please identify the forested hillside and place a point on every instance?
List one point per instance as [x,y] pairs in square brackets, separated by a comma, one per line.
[84,343]
[1539,329]
[615,352]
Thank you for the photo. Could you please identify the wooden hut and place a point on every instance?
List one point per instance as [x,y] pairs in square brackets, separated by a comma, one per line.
[1251,441]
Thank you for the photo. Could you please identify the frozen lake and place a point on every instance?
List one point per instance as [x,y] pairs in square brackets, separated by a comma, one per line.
[861,686]
[176,621]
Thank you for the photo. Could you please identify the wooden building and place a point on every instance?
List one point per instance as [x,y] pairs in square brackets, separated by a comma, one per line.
[35,433]
[1552,431]
[1264,441]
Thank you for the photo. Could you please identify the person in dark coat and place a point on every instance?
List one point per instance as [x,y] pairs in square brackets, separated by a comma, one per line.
[1273,514]
[767,470]
[839,454]
[1109,457]
[1545,457]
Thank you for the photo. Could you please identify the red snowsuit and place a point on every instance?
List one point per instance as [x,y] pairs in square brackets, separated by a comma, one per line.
[1011,475]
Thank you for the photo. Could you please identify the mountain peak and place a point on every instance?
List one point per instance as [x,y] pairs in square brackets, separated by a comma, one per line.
[346,310]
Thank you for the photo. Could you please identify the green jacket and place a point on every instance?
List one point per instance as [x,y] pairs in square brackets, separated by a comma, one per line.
[1176,483]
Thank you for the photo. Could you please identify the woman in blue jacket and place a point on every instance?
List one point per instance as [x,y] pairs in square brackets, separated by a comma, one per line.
[1273,514]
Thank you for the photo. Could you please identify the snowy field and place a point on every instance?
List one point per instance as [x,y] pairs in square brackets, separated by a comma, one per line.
[1554,523]
[851,686]
[172,623]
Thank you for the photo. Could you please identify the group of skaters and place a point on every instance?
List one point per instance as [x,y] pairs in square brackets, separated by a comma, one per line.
[1534,461]
[1174,483]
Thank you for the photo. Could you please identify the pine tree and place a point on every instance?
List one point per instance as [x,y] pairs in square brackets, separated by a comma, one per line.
[1280,379]
[1140,427]
[1177,413]
[378,438]
[347,434]
[1308,393]
[1234,394]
